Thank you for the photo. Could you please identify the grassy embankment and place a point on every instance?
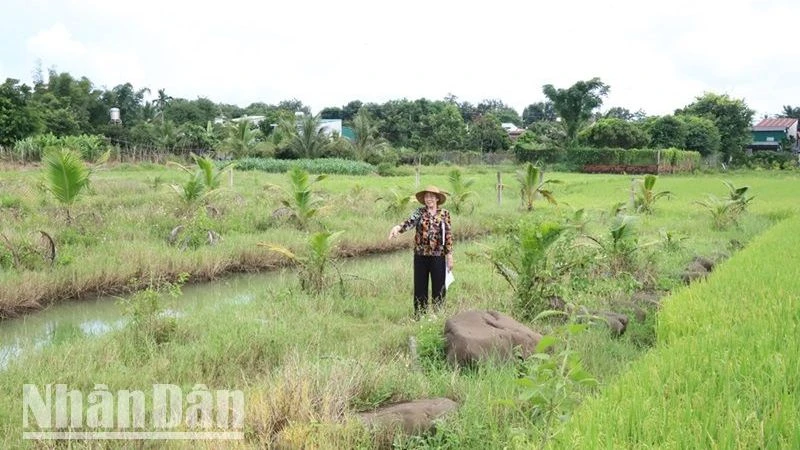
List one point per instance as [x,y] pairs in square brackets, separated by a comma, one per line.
[118,239]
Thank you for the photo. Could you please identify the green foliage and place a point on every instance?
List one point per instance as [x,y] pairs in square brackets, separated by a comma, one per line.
[672,241]
[17,116]
[666,132]
[460,195]
[702,135]
[732,117]
[66,176]
[367,143]
[313,265]
[397,203]
[612,160]
[202,182]
[241,139]
[89,147]
[614,133]
[726,211]
[304,138]
[198,232]
[430,343]
[765,159]
[301,200]
[532,186]
[555,383]
[646,196]
[538,112]
[575,104]
[524,262]
[486,134]
[326,166]
[149,325]
[620,245]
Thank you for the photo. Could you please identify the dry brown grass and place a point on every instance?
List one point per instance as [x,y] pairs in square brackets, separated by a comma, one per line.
[306,404]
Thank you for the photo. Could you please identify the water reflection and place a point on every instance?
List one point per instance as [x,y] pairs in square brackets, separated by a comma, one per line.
[88,319]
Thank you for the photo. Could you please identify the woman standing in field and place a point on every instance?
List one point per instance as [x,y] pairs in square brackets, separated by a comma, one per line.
[433,247]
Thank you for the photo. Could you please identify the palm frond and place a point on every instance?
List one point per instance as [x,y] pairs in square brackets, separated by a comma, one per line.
[66,175]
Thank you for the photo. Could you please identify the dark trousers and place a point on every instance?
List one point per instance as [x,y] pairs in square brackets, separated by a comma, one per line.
[425,267]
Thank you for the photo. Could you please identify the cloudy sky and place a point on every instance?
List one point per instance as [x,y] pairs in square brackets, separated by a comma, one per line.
[657,57]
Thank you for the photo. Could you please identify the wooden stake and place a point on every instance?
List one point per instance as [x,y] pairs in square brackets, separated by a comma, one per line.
[499,189]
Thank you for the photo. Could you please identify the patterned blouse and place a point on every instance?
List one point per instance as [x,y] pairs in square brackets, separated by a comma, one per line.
[428,239]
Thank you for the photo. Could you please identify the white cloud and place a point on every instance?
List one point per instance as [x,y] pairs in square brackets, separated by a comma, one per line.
[655,56]
[56,43]
[104,65]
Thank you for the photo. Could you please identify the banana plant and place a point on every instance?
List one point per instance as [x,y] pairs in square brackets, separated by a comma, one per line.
[738,195]
[532,186]
[726,211]
[646,196]
[460,194]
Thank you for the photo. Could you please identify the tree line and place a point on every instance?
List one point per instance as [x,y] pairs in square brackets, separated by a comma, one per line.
[63,105]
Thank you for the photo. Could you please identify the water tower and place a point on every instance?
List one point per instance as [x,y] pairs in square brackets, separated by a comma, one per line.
[114,114]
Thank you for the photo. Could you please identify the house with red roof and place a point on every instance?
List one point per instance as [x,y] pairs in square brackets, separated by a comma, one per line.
[775,134]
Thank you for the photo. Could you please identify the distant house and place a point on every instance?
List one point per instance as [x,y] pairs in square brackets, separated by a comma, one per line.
[773,134]
[334,127]
[254,120]
[330,127]
[509,126]
[513,131]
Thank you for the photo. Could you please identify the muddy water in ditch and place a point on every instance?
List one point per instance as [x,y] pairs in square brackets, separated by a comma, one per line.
[99,316]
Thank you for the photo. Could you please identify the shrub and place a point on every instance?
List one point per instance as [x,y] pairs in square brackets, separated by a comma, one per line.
[314,166]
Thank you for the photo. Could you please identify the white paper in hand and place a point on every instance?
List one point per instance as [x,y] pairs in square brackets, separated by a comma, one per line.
[448,279]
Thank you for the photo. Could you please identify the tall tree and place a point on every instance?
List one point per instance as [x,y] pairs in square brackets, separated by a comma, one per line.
[306,138]
[701,135]
[487,135]
[618,112]
[614,133]
[500,110]
[17,118]
[667,131]
[732,117]
[161,103]
[790,112]
[537,112]
[331,112]
[350,110]
[575,104]
[367,141]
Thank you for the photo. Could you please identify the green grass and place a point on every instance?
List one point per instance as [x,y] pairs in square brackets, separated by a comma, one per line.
[724,373]
[316,360]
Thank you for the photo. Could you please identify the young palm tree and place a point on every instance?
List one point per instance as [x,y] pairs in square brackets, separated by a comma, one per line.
[241,139]
[302,201]
[306,138]
[316,261]
[397,202]
[459,190]
[66,175]
[366,142]
[532,186]
[203,182]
